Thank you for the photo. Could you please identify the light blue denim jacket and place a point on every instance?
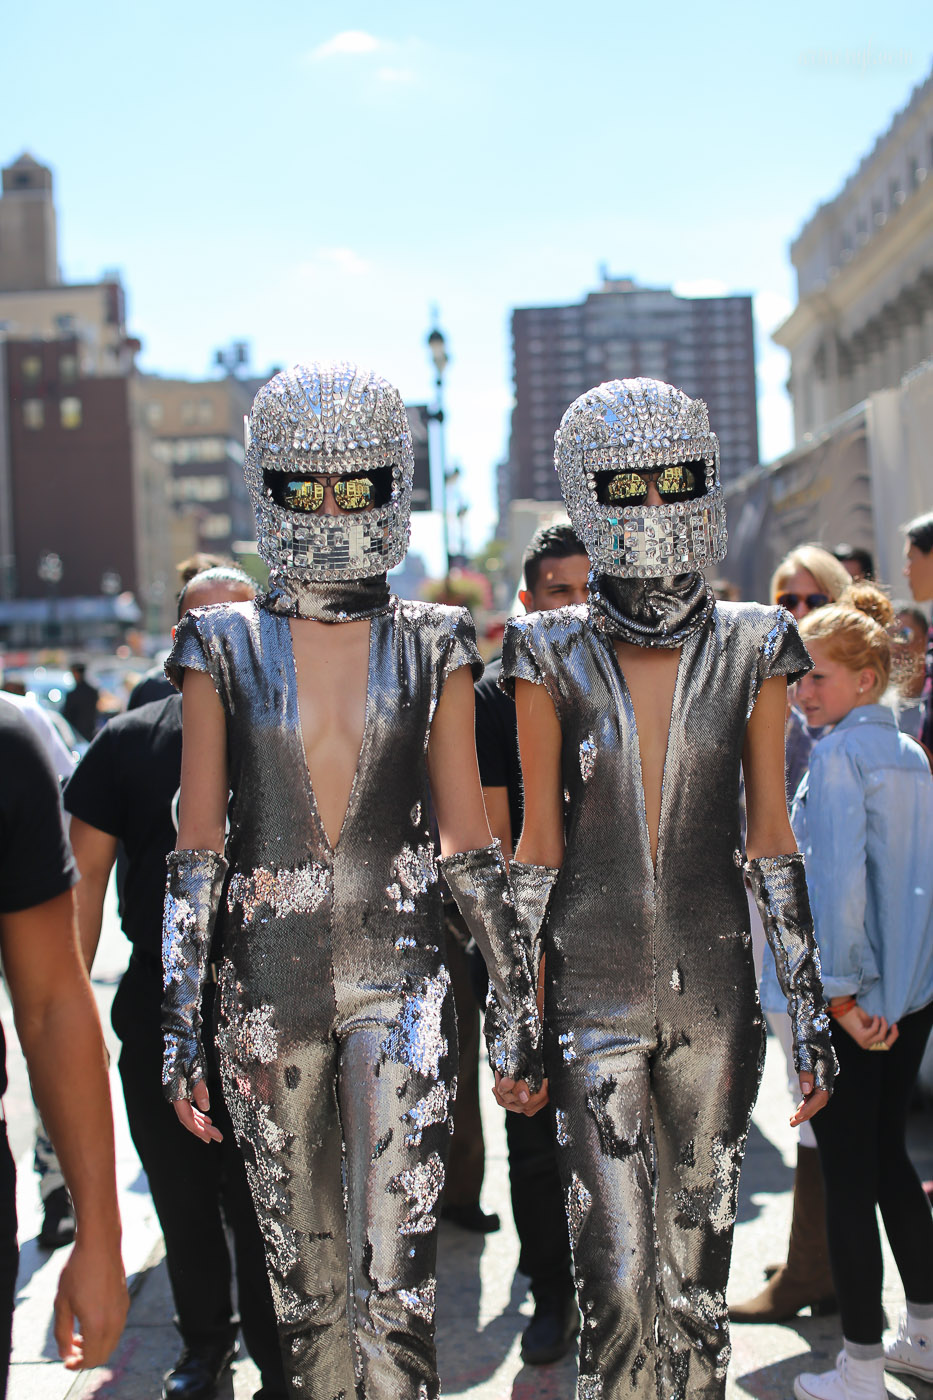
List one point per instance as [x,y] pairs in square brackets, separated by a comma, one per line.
[863,818]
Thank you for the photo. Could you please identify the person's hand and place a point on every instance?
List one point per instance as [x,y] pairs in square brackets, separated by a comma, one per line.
[193,1114]
[515,1095]
[812,1101]
[91,1303]
[868,1031]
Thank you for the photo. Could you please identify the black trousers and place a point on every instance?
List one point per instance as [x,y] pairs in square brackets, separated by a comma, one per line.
[196,1188]
[861,1137]
[9,1254]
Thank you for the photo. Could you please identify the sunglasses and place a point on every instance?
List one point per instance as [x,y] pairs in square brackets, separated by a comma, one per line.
[676,483]
[792,600]
[305,495]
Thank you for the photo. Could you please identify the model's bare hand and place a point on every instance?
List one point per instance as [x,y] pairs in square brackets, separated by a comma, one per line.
[813,1100]
[90,1305]
[515,1095]
[193,1115]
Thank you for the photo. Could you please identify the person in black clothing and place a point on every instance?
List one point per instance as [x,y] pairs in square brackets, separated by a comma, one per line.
[556,569]
[80,704]
[61,1039]
[918,571]
[125,789]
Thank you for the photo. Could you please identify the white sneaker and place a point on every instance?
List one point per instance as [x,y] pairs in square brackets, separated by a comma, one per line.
[912,1349]
[849,1380]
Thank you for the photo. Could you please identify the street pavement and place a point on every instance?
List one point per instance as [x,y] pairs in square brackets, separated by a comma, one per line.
[481,1302]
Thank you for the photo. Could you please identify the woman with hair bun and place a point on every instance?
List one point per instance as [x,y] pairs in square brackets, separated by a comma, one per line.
[863,818]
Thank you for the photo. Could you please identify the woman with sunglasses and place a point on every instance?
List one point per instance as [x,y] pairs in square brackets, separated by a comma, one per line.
[638,711]
[807,578]
[325,710]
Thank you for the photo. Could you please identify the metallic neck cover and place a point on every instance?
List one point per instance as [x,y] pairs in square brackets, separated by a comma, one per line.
[328,602]
[335,420]
[651,612]
[640,425]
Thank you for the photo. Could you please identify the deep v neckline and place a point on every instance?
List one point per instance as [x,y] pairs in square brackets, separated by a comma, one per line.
[628,705]
[364,741]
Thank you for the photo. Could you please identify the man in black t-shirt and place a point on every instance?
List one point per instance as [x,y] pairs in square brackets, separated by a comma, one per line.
[125,789]
[63,1045]
[556,570]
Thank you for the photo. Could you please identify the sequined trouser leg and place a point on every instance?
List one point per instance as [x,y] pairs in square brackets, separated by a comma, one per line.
[368,1105]
[651,1131]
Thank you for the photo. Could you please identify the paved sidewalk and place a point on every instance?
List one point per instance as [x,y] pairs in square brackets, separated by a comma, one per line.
[481,1301]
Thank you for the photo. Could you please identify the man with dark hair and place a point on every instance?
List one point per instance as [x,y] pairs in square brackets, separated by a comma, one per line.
[556,569]
[918,571]
[125,790]
[855,560]
[61,1039]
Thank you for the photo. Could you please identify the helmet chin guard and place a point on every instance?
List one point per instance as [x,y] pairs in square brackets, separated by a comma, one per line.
[640,425]
[335,420]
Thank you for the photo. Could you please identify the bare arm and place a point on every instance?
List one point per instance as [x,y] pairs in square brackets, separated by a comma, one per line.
[59,1030]
[202,818]
[95,852]
[496,800]
[539,742]
[768,826]
[453,770]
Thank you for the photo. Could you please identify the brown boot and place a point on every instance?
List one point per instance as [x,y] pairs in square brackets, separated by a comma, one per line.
[805,1280]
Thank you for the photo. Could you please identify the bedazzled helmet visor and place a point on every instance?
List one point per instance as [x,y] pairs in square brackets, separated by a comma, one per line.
[329,420]
[624,428]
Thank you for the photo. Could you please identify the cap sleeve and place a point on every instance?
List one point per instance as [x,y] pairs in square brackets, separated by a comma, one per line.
[782,651]
[519,662]
[192,650]
[461,648]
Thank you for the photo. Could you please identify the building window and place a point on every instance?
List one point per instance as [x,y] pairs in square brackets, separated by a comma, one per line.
[70,410]
[33,413]
[68,368]
[154,414]
[31,368]
[216,527]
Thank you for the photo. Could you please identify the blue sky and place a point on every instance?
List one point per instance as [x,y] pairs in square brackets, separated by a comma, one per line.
[313,178]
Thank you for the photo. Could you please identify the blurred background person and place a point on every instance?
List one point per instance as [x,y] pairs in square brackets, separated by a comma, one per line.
[556,569]
[863,818]
[61,1039]
[807,578]
[857,562]
[909,633]
[80,704]
[155,684]
[918,571]
[125,790]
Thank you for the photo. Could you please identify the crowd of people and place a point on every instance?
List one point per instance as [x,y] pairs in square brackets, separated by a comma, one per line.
[368,842]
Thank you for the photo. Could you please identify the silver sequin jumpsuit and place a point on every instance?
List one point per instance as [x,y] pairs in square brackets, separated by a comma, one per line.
[336,1029]
[653,1035]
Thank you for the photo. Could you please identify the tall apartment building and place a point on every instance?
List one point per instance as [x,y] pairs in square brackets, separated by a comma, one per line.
[864,262]
[704,345]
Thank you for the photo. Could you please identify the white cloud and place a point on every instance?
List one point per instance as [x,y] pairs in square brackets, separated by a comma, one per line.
[700,287]
[348,41]
[343,260]
[771,308]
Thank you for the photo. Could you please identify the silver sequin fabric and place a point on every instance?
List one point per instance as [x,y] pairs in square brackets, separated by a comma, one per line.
[653,1037]
[336,1031]
[193,885]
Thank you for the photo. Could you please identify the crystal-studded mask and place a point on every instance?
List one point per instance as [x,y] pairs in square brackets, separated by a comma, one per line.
[335,420]
[637,425]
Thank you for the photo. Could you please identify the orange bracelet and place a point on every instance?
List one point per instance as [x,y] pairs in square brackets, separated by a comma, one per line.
[841,1008]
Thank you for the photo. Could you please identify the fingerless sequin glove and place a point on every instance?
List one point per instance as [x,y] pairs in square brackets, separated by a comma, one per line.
[779,885]
[192,897]
[479,882]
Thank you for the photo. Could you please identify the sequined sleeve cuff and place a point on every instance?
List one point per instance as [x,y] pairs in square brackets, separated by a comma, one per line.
[188,653]
[192,897]
[782,650]
[518,660]
[462,649]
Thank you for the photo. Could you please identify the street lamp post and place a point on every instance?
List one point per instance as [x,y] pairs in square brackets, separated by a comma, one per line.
[50,570]
[437,347]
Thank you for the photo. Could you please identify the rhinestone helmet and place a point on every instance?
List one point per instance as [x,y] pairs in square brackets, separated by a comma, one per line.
[339,420]
[640,425]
